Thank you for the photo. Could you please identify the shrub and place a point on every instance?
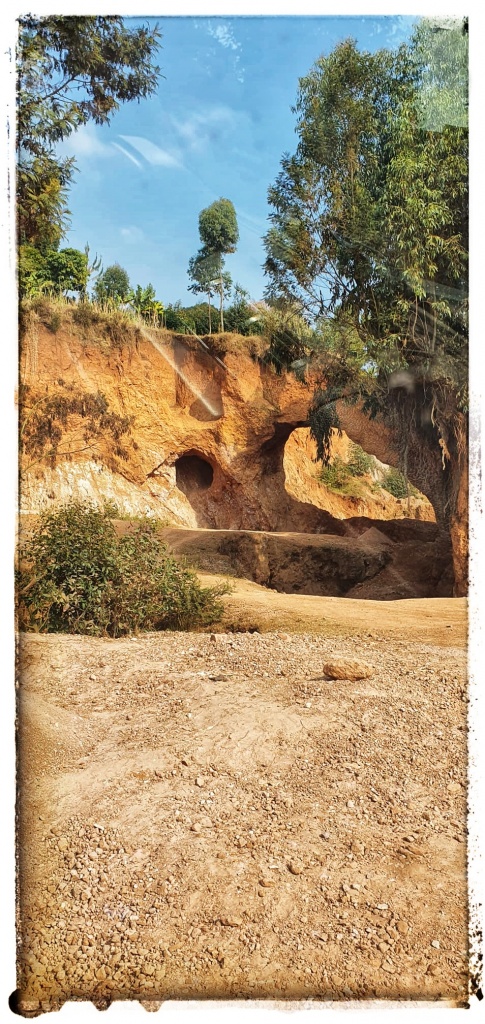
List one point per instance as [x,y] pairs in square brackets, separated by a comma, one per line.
[55,321]
[360,463]
[289,335]
[395,483]
[76,575]
[85,314]
[336,476]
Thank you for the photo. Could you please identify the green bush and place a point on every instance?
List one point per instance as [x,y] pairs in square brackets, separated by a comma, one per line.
[337,477]
[360,463]
[76,575]
[395,483]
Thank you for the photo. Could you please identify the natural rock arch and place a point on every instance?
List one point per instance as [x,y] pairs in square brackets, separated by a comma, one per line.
[437,467]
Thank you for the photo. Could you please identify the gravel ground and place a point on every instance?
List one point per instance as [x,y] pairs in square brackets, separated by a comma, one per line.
[210,816]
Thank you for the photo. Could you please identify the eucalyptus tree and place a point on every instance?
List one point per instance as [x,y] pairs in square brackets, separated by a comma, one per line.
[369,236]
[219,234]
[369,216]
[208,278]
[71,70]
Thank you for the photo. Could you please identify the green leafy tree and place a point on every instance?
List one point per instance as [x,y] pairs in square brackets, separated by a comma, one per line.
[369,236]
[68,270]
[32,271]
[144,302]
[60,271]
[441,49]
[219,234]
[191,319]
[113,284]
[71,70]
[172,316]
[238,315]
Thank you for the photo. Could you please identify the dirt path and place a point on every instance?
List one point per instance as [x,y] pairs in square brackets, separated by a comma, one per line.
[211,816]
[440,621]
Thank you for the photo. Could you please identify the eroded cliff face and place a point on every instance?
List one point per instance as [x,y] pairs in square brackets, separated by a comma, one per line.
[205,443]
[208,445]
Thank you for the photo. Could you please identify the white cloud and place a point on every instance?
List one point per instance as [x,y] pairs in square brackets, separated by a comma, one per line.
[85,142]
[152,153]
[224,35]
[203,127]
[132,234]
[85,145]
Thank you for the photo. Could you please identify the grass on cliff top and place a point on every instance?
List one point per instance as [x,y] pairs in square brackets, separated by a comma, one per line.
[103,326]
[107,326]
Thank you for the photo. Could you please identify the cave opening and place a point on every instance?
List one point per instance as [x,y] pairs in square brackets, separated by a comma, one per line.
[193,474]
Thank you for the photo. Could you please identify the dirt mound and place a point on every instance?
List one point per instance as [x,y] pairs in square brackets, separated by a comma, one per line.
[366,563]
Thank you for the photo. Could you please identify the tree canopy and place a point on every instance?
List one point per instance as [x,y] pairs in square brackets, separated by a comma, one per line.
[71,70]
[218,227]
[113,283]
[60,271]
[369,220]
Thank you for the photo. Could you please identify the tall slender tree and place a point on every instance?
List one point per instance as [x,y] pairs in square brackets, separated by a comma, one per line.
[219,234]
[203,270]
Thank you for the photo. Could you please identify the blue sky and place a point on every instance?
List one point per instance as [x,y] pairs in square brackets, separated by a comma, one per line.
[218,126]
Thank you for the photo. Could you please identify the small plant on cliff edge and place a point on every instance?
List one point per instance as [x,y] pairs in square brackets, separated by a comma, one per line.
[360,463]
[76,575]
[339,478]
[396,484]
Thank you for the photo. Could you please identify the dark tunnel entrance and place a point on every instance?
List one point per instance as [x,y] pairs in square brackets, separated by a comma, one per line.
[193,474]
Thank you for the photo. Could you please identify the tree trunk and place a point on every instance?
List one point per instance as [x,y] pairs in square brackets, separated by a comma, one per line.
[209,304]
[222,296]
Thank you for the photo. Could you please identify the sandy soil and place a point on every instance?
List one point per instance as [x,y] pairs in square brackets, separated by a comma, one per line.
[211,816]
